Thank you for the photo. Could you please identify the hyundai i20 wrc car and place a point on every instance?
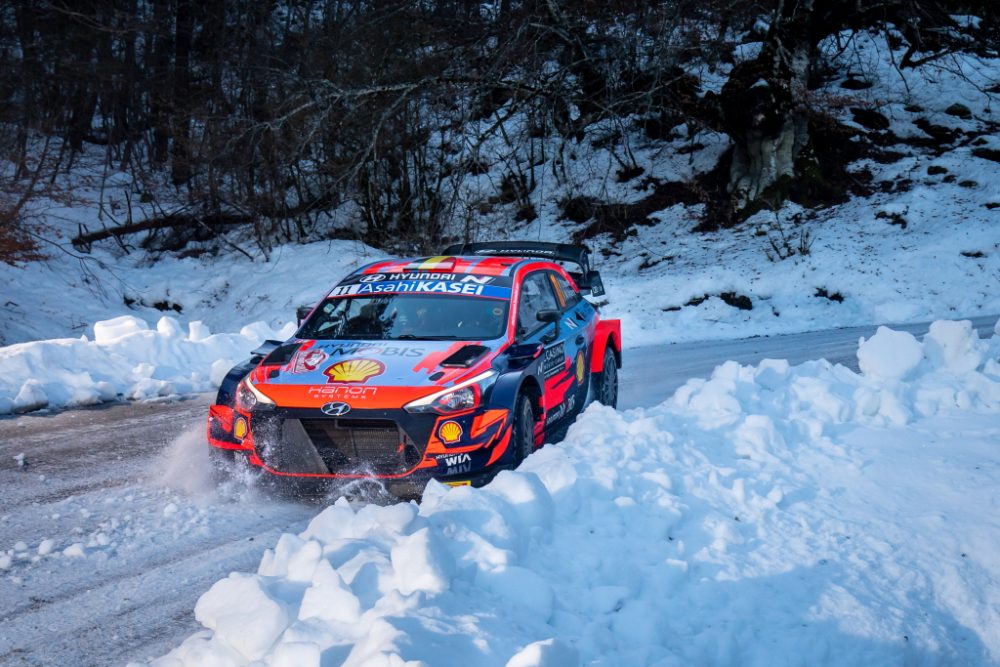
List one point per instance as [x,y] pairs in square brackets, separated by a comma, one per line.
[451,367]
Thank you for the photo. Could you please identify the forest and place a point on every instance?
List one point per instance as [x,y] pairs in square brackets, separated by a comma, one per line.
[305,119]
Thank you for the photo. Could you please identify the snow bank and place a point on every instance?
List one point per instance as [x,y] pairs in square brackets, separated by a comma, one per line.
[126,359]
[731,525]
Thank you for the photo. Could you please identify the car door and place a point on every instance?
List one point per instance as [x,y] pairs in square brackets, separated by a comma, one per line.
[538,293]
[577,326]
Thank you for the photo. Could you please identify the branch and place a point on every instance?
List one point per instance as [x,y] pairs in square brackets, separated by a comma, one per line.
[83,241]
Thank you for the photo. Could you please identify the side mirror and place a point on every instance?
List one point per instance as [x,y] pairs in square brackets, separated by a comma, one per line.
[302,312]
[549,316]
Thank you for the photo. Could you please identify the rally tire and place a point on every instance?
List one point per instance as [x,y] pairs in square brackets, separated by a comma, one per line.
[605,383]
[230,467]
[522,439]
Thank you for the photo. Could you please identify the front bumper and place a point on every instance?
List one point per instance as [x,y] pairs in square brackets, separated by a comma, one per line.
[401,450]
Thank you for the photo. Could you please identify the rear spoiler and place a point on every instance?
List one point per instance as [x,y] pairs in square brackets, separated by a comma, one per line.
[587,280]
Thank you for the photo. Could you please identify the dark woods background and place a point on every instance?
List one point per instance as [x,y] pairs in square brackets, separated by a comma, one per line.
[275,114]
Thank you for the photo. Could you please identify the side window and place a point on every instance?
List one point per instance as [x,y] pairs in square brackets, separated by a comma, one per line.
[567,296]
[536,295]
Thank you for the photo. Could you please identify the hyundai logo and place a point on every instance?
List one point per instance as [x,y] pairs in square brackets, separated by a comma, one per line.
[373,278]
[335,409]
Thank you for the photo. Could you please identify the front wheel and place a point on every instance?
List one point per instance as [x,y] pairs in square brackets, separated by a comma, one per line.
[228,466]
[605,383]
[522,439]
[221,463]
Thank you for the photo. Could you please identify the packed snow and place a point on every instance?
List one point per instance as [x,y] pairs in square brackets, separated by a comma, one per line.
[126,359]
[768,515]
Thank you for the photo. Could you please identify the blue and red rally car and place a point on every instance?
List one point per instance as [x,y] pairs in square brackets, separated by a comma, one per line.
[451,367]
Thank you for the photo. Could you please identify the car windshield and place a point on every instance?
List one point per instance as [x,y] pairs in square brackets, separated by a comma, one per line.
[407,317]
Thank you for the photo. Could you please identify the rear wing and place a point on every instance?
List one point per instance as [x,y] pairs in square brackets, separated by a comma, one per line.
[587,280]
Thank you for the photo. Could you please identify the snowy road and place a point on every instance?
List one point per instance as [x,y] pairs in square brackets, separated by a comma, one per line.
[116,532]
[652,373]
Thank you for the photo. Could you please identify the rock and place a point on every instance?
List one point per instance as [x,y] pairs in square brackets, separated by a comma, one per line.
[987,154]
[959,111]
[870,119]
[855,84]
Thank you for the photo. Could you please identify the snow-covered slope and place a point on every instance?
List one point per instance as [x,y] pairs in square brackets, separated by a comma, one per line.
[923,245]
[768,515]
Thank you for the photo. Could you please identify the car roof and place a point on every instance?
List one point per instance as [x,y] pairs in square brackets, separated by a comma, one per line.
[481,265]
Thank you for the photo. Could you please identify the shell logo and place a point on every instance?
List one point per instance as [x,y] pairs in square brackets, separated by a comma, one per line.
[354,370]
[580,368]
[450,432]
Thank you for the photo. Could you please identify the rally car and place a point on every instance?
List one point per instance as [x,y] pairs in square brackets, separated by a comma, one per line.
[451,367]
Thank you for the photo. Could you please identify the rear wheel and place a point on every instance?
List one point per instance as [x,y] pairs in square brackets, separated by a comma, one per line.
[522,439]
[606,382]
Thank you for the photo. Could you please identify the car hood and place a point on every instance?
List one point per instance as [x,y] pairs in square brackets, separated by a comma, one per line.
[408,363]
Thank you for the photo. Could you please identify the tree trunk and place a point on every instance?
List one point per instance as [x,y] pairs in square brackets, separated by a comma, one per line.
[30,80]
[159,81]
[180,159]
[763,104]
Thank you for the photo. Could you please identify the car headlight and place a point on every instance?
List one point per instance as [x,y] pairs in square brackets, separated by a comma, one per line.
[461,397]
[248,396]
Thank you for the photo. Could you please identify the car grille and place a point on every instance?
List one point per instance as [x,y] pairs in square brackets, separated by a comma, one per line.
[376,446]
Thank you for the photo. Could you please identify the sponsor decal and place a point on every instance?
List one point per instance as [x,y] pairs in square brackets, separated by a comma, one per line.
[455,277]
[240,428]
[356,349]
[439,262]
[344,391]
[450,432]
[423,287]
[308,361]
[452,460]
[336,409]
[560,410]
[580,367]
[553,360]
[463,482]
[571,322]
[516,252]
[373,278]
[459,470]
[354,370]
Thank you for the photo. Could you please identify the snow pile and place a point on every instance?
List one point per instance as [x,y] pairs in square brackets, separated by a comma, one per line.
[731,525]
[126,359]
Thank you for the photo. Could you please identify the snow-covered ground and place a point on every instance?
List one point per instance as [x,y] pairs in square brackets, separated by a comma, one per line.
[924,245]
[769,515]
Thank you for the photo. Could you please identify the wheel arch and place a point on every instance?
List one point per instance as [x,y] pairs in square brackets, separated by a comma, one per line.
[510,385]
[608,333]
[530,387]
